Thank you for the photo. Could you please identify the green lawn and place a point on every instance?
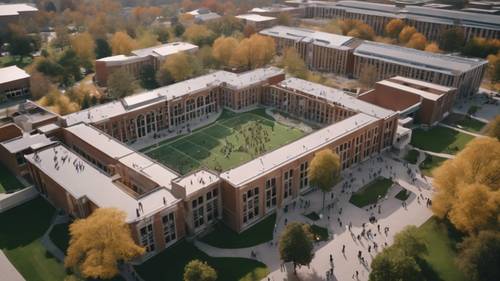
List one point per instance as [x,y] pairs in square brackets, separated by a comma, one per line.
[403,194]
[312,216]
[464,122]
[412,156]
[8,61]
[8,182]
[20,231]
[320,233]
[369,194]
[221,146]
[440,139]
[223,237]
[430,163]
[169,265]
[441,241]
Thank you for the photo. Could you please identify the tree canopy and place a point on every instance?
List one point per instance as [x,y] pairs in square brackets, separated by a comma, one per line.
[294,64]
[394,27]
[224,48]
[121,43]
[451,39]
[467,187]
[121,84]
[197,270]
[296,244]
[493,128]
[479,256]
[99,242]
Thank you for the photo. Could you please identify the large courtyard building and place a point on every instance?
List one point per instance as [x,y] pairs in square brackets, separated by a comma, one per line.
[135,62]
[427,20]
[257,21]
[14,83]
[15,13]
[350,57]
[320,50]
[82,164]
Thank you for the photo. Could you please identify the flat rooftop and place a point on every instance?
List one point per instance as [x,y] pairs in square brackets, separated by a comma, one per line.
[26,141]
[421,83]
[15,9]
[197,180]
[335,96]
[81,179]
[273,160]
[309,36]
[12,73]
[160,51]
[447,64]
[255,17]
[105,111]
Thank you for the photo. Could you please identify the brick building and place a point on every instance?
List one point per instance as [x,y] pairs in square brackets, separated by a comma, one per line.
[257,21]
[427,103]
[15,13]
[14,83]
[135,62]
[82,165]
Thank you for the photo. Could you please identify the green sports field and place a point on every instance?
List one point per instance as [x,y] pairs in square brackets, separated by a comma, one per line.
[233,139]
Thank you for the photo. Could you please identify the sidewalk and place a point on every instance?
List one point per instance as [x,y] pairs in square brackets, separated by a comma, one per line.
[7,270]
[459,130]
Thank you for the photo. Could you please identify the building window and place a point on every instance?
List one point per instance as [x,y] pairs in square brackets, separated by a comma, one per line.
[169,228]
[250,205]
[271,198]
[147,237]
[287,184]
[212,205]
[304,178]
[198,214]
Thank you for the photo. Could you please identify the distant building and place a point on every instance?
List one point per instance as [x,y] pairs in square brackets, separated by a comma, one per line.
[14,13]
[278,10]
[14,83]
[427,20]
[203,15]
[424,102]
[257,21]
[134,63]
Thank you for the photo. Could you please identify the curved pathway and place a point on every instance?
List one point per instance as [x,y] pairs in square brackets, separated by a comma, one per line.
[391,215]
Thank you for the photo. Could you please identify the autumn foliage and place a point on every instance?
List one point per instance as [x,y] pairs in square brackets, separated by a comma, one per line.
[99,242]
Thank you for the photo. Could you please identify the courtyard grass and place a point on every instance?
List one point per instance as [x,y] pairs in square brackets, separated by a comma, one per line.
[208,146]
[370,193]
[10,60]
[441,241]
[320,233]
[440,139]
[169,265]
[464,122]
[8,182]
[430,163]
[59,235]
[312,216]
[20,233]
[412,156]
[223,237]
[403,194]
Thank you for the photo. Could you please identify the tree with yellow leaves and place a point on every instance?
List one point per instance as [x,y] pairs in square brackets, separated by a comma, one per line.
[417,41]
[253,52]
[324,171]
[99,242]
[199,35]
[224,48]
[294,64]
[406,33]
[84,46]
[394,27]
[432,47]
[122,44]
[180,66]
[493,128]
[468,187]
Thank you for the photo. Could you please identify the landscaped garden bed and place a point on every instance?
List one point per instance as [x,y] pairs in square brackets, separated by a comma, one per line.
[371,193]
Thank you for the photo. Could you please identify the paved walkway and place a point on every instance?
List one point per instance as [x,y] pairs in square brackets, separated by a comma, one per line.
[442,155]
[460,130]
[7,270]
[391,215]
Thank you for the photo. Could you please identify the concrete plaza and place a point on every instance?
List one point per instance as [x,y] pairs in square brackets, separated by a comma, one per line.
[336,219]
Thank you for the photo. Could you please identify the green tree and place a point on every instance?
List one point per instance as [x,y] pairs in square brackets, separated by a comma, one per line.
[479,256]
[20,46]
[392,265]
[102,48]
[70,63]
[294,64]
[324,171]
[409,242]
[120,84]
[49,68]
[179,30]
[147,77]
[296,244]
[451,39]
[197,270]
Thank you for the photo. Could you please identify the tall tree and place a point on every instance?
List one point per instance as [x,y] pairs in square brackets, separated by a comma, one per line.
[122,43]
[394,27]
[84,46]
[20,46]
[467,187]
[479,256]
[493,128]
[120,84]
[409,242]
[417,41]
[197,270]
[451,39]
[199,35]
[39,85]
[102,48]
[296,244]
[406,33]
[253,52]
[99,242]
[148,78]
[324,171]
[294,64]
[392,265]
[180,66]
[224,48]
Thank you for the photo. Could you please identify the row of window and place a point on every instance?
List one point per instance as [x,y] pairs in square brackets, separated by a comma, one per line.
[146,232]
